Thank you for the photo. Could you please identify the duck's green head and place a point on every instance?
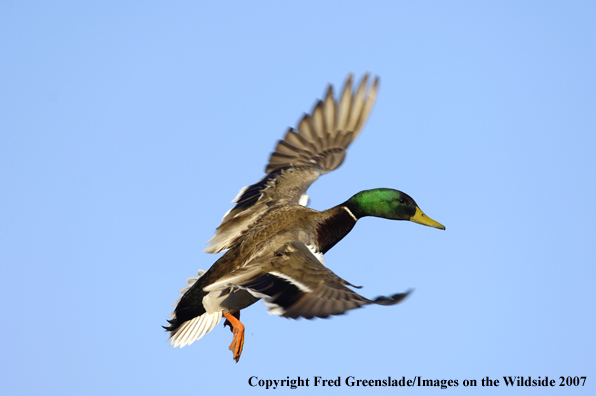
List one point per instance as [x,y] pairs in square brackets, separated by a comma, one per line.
[389,204]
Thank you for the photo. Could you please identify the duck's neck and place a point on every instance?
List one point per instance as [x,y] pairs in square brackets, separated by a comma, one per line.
[336,223]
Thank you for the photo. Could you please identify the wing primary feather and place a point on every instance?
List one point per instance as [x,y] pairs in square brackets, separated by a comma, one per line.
[318,124]
[329,111]
[370,101]
[357,104]
[344,105]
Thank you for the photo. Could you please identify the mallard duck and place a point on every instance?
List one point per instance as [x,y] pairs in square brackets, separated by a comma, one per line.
[275,244]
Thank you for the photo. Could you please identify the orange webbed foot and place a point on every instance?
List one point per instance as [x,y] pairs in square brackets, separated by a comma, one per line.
[238,341]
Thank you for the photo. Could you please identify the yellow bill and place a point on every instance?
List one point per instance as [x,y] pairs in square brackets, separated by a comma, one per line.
[420,218]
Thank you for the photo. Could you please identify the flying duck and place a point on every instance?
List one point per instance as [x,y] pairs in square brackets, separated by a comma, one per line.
[275,244]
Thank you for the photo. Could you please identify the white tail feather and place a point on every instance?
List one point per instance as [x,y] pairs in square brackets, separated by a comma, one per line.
[194,329]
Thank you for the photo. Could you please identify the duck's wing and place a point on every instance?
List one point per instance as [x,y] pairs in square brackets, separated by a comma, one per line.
[317,146]
[295,284]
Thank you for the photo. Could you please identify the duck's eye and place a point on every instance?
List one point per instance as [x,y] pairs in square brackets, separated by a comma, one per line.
[401,200]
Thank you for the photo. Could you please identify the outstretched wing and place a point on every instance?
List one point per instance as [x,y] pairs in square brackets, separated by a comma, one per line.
[316,147]
[295,284]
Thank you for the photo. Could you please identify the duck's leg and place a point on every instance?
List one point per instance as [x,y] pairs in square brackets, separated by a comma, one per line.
[238,329]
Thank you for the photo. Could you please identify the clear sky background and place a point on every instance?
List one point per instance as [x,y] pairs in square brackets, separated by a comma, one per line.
[127,128]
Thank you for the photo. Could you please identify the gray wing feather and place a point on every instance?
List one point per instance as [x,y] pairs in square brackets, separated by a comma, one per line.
[300,286]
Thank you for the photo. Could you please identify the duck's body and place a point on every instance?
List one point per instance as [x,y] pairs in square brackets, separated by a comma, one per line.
[275,244]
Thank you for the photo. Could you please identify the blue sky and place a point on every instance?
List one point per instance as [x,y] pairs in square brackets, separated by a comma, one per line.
[127,128]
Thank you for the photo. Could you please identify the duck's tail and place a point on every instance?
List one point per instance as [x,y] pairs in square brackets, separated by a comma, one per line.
[182,334]
[194,329]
